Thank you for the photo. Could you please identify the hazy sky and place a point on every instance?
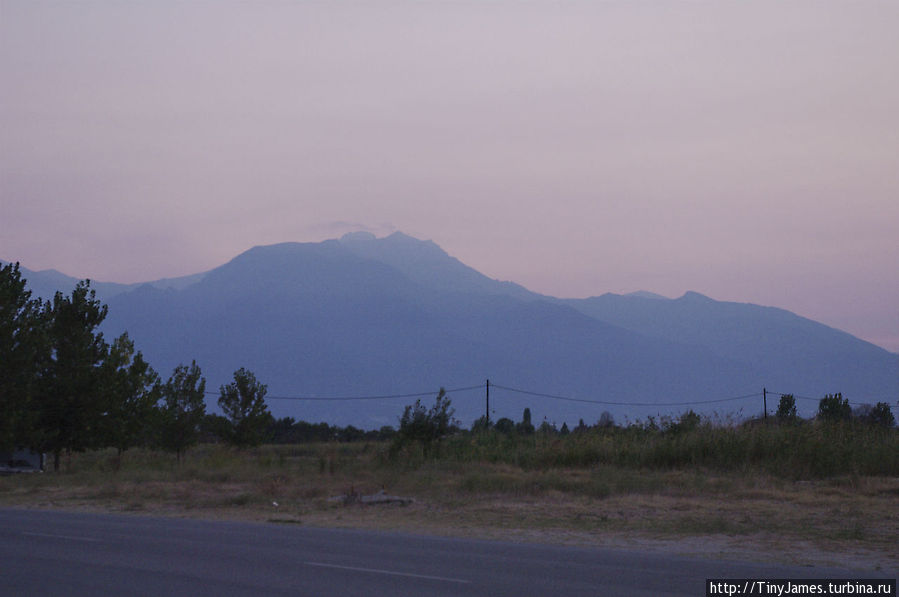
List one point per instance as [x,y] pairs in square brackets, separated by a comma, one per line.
[745,150]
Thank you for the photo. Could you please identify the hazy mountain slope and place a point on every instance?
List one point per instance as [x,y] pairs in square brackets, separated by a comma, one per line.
[46,283]
[427,264]
[318,319]
[366,316]
[786,352]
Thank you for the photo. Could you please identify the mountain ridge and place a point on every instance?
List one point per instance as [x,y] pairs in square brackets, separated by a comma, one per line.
[372,316]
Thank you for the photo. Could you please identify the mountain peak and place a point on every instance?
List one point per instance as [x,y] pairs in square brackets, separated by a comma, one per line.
[360,236]
[647,295]
[695,297]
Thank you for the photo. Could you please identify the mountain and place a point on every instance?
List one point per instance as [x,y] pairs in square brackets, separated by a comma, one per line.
[366,316]
[790,353]
[45,283]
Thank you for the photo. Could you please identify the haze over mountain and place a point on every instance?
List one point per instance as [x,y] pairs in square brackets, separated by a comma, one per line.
[366,316]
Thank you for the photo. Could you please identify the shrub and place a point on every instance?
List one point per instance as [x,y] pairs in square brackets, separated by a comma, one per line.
[834,408]
[786,409]
[425,427]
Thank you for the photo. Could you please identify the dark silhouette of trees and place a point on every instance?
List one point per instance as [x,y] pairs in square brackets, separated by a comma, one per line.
[424,426]
[23,354]
[505,425]
[834,408]
[786,409]
[182,409]
[878,415]
[525,427]
[129,393]
[606,420]
[70,403]
[243,402]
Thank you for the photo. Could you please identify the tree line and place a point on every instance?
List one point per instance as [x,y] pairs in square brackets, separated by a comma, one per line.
[64,388]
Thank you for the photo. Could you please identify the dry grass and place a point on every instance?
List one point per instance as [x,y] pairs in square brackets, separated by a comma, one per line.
[847,520]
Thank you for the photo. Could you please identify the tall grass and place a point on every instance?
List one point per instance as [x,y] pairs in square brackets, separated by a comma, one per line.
[808,450]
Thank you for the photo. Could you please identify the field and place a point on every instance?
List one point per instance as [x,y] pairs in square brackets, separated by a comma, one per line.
[808,495]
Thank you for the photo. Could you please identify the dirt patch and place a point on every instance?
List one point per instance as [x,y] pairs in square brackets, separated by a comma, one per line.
[847,522]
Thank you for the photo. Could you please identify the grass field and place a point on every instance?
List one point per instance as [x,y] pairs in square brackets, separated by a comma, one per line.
[726,494]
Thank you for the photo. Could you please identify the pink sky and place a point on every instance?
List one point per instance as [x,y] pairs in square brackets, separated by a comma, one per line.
[745,150]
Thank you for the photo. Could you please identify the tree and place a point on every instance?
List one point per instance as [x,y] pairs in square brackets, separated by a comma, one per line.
[426,427]
[505,425]
[243,402]
[834,408]
[606,420]
[786,409]
[880,414]
[525,427]
[23,352]
[130,390]
[70,406]
[481,425]
[183,409]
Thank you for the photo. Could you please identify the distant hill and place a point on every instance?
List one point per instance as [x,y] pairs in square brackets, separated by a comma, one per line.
[363,316]
[790,353]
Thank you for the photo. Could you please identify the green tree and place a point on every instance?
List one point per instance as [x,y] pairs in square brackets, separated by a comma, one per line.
[424,426]
[243,402]
[505,425]
[23,353]
[183,409]
[526,427]
[786,409]
[130,391]
[879,414]
[834,408]
[481,425]
[606,420]
[70,405]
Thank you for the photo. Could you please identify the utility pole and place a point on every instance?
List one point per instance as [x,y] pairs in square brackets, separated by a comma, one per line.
[765,401]
[488,403]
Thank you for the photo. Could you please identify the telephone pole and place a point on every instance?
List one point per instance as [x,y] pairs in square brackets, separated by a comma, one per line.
[488,404]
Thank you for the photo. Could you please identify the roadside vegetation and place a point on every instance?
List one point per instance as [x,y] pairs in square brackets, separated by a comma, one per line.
[125,440]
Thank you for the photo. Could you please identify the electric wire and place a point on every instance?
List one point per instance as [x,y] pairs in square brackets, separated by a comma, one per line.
[379,397]
[613,403]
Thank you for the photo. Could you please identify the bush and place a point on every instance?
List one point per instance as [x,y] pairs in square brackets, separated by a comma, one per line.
[786,409]
[425,427]
[834,408]
[876,415]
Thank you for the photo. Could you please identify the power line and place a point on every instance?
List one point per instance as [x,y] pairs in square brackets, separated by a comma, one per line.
[349,398]
[611,403]
[818,399]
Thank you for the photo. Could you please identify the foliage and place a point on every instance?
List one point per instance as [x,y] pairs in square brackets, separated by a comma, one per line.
[880,414]
[526,427]
[505,425]
[605,420]
[129,391]
[243,402]
[688,421]
[786,409]
[807,450]
[23,353]
[834,408]
[481,424]
[419,425]
[71,402]
[183,409]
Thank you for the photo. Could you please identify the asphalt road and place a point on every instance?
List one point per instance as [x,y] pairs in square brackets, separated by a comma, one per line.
[74,554]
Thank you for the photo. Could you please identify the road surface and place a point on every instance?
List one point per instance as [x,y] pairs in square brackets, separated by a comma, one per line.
[51,553]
